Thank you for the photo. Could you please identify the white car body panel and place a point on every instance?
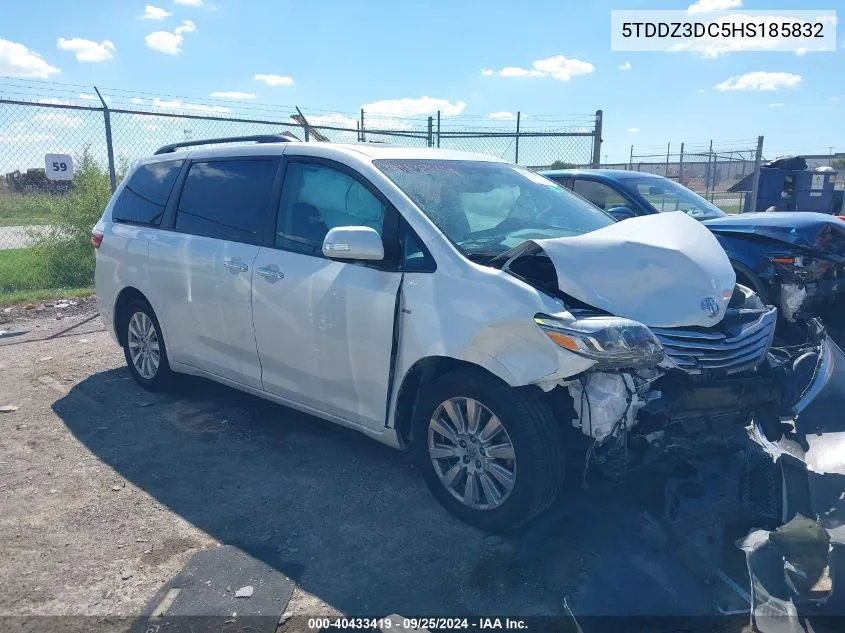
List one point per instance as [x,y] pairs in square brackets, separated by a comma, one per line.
[206,305]
[324,333]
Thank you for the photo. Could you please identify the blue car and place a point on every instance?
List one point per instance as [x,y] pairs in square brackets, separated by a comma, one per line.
[793,260]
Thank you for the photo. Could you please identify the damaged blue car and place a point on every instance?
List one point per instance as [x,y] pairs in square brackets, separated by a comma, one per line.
[795,260]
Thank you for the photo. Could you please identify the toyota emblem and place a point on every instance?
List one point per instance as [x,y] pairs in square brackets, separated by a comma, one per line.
[710,307]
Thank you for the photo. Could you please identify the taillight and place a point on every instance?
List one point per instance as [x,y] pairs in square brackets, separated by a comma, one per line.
[96,239]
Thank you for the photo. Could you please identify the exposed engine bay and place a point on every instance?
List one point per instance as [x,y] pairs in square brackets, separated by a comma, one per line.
[691,387]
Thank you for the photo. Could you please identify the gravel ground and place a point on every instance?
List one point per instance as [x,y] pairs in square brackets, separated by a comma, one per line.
[107,491]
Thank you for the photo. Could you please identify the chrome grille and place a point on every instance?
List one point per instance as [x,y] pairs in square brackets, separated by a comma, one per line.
[726,347]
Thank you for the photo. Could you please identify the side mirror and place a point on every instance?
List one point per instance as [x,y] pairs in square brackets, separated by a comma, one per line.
[353,242]
[621,213]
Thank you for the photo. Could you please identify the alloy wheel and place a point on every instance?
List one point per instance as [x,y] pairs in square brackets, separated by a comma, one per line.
[143,344]
[472,453]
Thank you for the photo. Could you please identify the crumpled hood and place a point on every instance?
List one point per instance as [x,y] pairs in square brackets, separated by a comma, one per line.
[801,228]
[660,270]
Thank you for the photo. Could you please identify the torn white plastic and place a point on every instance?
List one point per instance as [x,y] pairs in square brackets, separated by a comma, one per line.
[601,404]
[661,270]
[792,297]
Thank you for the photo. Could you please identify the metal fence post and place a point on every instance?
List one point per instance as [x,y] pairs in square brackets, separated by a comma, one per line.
[666,171]
[631,158]
[109,146]
[597,140]
[708,184]
[755,179]
[430,131]
[363,138]
[681,166]
[516,148]
[438,128]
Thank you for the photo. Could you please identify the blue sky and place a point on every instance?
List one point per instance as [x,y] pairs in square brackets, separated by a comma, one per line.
[337,56]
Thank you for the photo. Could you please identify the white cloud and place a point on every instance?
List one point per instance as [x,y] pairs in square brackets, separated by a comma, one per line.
[701,89]
[168,42]
[236,96]
[760,80]
[559,67]
[414,107]
[712,6]
[54,101]
[25,138]
[775,105]
[501,116]
[137,100]
[800,52]
[177,105]
[633,130]
[155,13]
[87,96]
[58,119]
[16,60]
[189,3]
[330,120]
[274,80]
[625,66]
[87,50]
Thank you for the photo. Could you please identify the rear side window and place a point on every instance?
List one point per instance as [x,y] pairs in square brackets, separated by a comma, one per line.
[144,197]
[227,200]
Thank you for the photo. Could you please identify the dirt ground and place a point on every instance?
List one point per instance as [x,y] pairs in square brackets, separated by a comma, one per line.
[107,491]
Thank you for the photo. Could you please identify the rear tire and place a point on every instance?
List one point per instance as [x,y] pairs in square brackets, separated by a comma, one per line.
[143,347]
[529,434]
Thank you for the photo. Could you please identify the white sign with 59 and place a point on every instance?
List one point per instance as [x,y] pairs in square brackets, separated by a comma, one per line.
[59,166]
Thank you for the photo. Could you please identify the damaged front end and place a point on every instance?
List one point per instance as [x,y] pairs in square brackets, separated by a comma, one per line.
[680,365]
[708,385]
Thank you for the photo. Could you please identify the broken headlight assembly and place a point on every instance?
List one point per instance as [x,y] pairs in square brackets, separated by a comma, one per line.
[613,342]
[804,268]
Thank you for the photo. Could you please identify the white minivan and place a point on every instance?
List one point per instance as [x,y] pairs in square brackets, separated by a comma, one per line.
[454,303]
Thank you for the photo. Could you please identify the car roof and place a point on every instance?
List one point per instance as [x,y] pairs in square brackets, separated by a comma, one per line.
[373,151]
[607,174]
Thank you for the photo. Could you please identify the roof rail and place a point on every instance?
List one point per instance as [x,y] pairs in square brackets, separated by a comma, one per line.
[258,138]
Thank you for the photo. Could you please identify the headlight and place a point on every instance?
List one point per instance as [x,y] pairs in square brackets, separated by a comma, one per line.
[613,342]
[802,267]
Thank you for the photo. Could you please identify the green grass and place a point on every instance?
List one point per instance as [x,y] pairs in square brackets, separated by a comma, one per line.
[24,209]
[35,296]
[22,269]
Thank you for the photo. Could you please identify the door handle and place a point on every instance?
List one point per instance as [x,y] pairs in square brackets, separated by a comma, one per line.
[234,265]
[269,273]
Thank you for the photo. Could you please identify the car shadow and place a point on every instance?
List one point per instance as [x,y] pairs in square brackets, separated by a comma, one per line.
[354,516]
[284,486]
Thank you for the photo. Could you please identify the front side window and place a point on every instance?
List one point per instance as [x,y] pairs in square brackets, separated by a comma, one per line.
[599,194]
[667,195]
[317,198]
[144,197]
[226,199]
[486,208]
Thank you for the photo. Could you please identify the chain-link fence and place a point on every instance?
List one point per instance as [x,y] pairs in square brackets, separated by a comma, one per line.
[61,156]
[710,169]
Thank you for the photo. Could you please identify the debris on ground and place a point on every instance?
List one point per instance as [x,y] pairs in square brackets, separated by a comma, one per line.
[244,592]
[8,408]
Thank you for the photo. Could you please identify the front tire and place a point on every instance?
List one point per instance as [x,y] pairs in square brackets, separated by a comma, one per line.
[143,347]
[491,454]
